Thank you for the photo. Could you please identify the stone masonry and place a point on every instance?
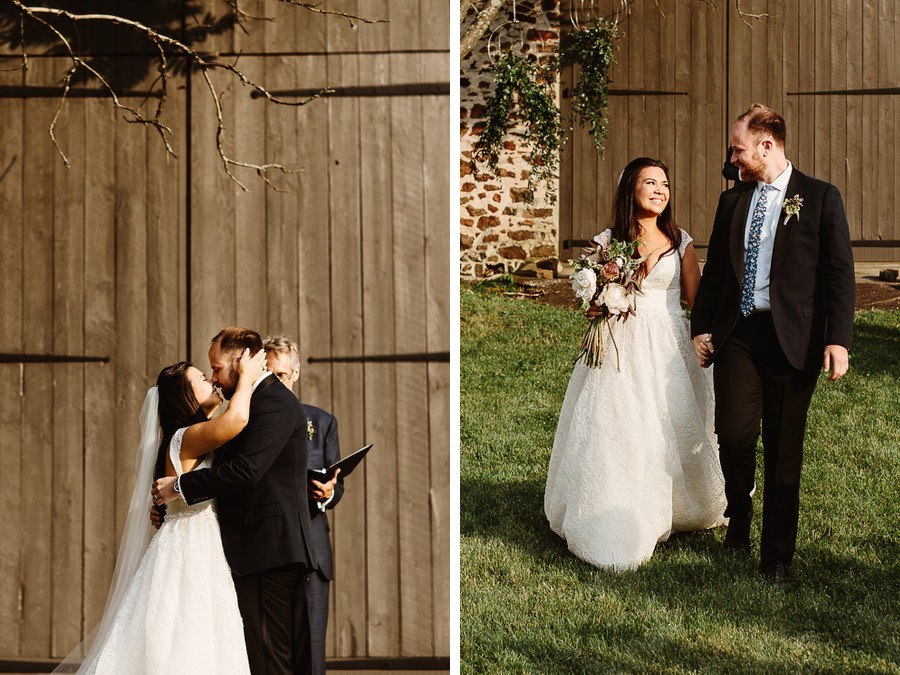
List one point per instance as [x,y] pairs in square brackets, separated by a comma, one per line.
[499,232]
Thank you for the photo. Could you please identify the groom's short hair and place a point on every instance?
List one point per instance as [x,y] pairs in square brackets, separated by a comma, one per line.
[238,338]
[761,119]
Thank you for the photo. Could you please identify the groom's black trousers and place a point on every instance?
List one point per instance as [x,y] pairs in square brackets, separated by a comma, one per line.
[755,383]
[266,601]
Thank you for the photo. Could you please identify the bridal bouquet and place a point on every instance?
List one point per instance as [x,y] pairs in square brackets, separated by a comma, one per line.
[605,274]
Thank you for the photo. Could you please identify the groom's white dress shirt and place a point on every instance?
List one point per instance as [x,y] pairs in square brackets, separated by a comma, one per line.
[775,200]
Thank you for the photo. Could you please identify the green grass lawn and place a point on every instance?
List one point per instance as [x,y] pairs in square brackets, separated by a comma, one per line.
[528,605]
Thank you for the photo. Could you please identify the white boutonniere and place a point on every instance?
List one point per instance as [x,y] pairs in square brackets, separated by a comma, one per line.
[791,208]
[310,429]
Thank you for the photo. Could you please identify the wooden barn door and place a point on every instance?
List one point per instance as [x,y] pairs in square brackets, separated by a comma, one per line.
[127,262]
[668,102]
[92,281]
[687,69]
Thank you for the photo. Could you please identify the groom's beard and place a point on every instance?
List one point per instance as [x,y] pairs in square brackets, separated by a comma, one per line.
[753,170]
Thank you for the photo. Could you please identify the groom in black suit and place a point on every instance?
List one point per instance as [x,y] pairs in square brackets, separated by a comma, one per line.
[775,305]
[260,486]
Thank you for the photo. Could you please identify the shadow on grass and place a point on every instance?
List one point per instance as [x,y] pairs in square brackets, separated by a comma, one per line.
[838,601]
[875,348]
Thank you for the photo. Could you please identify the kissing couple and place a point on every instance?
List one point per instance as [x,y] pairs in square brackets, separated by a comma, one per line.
[213,590]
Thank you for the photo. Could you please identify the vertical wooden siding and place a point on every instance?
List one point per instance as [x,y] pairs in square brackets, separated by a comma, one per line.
[142,259]
[724,65]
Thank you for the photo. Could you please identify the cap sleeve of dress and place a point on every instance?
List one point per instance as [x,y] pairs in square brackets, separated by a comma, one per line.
[603,238]
[685,240]
[175,450]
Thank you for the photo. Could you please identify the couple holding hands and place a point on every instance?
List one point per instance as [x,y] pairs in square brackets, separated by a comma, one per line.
[668,441]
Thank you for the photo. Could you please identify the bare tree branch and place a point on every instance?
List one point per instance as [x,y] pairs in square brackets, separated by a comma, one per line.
[477,30]
[746,17]
[205,64]
[316,7]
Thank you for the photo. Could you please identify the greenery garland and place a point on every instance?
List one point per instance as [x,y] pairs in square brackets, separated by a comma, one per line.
[544,133]
[592,49]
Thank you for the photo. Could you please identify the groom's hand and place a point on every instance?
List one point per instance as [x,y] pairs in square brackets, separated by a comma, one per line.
[703,348]
[164,490]
[836,360]
[157,515]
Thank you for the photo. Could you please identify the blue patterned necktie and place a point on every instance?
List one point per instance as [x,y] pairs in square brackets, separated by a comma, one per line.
[756,223]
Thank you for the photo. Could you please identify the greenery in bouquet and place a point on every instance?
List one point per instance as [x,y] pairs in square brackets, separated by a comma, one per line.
[605,276]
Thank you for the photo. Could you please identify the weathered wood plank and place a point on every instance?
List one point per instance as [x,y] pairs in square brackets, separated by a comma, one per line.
[416,602]
[853,192]
[347,327]
[252,223]
[38,169]
[68,382]
[679,164]
[101,127]
[437,303]
[12,264]
[870,141]
[377,227]
[212,199]
[888,75]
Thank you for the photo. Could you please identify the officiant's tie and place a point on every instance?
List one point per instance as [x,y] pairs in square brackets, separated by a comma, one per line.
[756,223]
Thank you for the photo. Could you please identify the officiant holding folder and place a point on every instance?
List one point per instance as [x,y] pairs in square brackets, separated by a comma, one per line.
[283,359]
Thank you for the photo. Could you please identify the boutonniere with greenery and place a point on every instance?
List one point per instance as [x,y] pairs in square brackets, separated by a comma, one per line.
[310,429]
[791,208]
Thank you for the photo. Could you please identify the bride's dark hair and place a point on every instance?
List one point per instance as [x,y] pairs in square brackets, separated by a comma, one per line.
[624,225]
[178,407]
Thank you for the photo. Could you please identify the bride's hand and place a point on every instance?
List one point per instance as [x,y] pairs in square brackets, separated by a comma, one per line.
[252,366]
[592,312]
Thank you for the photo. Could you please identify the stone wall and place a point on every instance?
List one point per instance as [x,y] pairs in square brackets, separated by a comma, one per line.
[499,231]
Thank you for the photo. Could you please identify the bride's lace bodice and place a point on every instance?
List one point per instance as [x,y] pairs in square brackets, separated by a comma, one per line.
[661,288]
[178,506]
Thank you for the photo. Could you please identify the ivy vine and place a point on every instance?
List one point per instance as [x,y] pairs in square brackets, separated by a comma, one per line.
[593,49]
[533,85]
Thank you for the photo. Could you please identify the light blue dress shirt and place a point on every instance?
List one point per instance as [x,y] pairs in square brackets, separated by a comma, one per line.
[770,225]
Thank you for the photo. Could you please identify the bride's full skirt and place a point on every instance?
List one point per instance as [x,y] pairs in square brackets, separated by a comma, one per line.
[180,613]
[635,454]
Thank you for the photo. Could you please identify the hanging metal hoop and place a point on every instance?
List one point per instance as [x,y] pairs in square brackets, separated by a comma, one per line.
[510,27]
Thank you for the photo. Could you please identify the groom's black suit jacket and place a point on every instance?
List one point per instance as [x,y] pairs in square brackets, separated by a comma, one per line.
[259,481]
[812,289]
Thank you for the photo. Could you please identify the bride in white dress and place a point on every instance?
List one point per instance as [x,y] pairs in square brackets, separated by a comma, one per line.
[635,456]
[172,606]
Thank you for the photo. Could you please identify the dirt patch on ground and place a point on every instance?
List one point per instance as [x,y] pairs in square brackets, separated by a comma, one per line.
[558,293]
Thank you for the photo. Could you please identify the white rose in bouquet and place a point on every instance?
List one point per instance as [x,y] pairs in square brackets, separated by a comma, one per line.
[584,283]
[616,299]
[604,238]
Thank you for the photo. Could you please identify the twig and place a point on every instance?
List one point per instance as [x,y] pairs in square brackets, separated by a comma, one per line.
[161,42]
[315,7]
[747,16]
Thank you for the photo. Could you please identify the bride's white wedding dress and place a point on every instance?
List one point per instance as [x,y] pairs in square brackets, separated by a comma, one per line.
[635,455]
[180,612]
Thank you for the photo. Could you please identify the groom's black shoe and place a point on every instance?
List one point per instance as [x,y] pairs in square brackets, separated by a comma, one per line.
[777,573]
[737,538]
[739,547]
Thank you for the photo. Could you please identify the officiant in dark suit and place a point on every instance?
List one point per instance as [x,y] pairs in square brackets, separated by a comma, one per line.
[283,359]
[774,307]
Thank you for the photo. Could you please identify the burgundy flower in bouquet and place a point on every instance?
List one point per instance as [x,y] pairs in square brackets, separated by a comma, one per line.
[605,276]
